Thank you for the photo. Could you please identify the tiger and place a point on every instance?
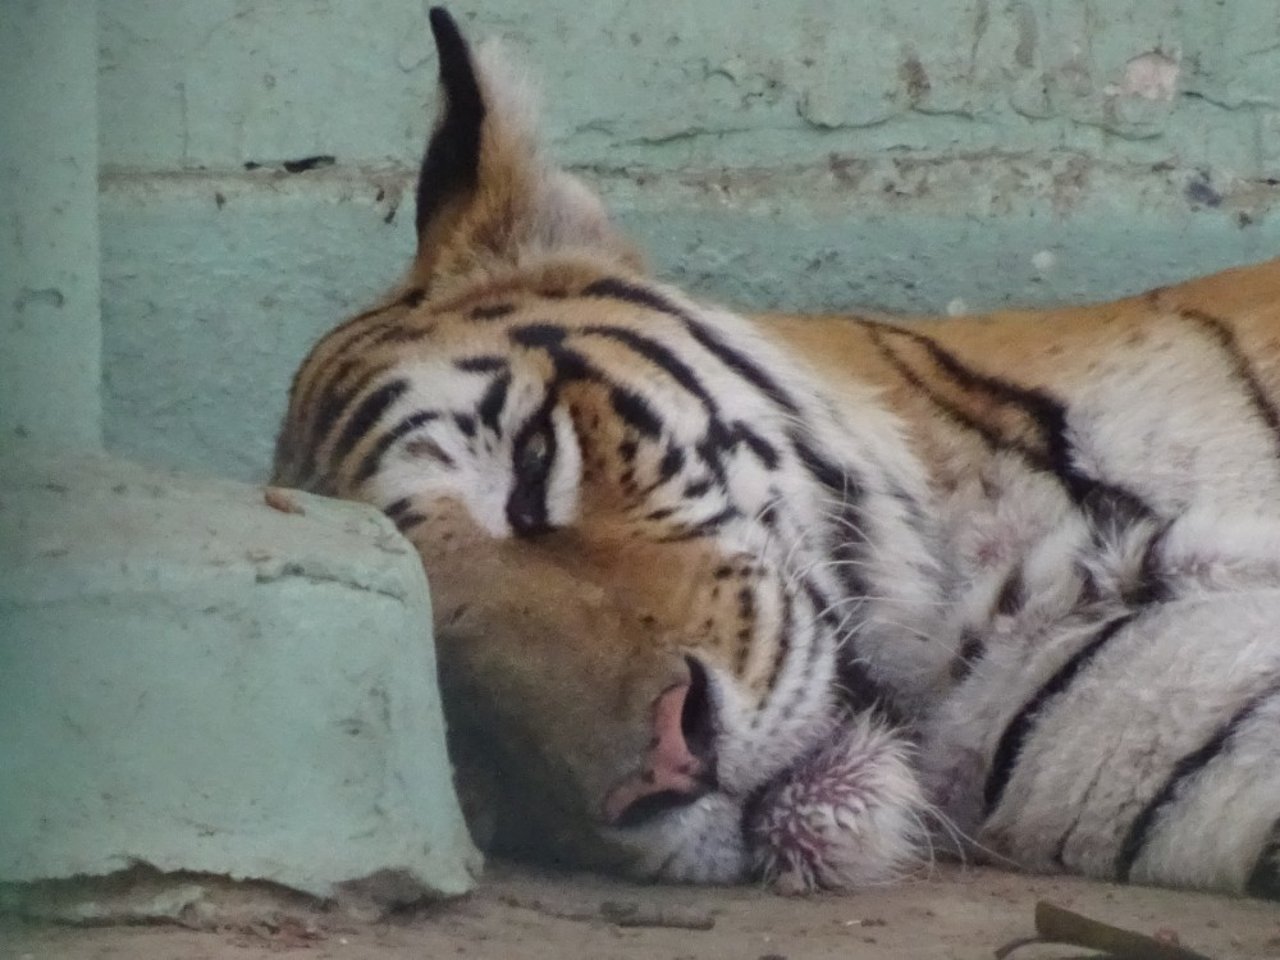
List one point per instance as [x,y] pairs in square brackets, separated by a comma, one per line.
[811,598]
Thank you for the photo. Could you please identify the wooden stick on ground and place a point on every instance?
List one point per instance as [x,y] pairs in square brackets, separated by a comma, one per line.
[1056,925]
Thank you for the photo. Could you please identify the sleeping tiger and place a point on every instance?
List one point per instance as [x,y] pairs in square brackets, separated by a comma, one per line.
[721,597]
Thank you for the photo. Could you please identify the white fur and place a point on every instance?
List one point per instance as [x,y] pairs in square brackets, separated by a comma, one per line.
[849,816]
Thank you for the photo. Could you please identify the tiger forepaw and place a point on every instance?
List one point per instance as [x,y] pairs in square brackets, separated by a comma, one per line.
[848,815]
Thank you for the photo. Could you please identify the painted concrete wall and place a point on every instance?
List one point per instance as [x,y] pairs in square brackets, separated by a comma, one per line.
[919,155]
[50,340]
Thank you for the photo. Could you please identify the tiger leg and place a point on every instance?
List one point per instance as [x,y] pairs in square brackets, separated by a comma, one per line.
[1132,742]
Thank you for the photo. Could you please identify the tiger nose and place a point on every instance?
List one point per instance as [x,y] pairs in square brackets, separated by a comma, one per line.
[678,766]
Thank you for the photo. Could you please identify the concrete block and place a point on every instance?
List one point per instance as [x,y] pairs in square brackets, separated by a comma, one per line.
[193,680]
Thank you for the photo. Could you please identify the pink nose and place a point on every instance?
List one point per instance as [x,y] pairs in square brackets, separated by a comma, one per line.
[670,775]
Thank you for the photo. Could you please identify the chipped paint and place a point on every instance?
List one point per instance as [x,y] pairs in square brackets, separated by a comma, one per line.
[1151,76]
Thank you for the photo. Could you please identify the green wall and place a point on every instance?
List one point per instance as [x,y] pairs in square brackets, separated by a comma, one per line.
[941,154]
[50,341]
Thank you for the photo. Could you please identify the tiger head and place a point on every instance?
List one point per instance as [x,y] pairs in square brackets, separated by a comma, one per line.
[661,556]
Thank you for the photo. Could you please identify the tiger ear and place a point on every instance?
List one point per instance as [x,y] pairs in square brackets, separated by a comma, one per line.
[485,198]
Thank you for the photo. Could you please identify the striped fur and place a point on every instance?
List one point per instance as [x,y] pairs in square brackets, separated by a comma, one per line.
[1037,554]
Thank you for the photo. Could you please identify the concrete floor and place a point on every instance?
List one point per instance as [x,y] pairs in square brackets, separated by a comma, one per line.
[958,913]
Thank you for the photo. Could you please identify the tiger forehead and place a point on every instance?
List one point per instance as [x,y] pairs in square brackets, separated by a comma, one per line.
[397,327]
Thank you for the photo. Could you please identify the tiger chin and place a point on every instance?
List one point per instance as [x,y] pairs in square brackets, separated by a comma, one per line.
[721,597]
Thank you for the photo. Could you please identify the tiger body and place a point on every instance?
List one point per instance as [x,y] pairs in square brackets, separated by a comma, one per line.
[1105,479]
[1024,568]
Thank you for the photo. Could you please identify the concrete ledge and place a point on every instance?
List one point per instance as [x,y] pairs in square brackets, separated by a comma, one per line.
[195,681]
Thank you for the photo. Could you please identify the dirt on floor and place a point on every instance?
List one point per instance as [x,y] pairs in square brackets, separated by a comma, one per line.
[519,913]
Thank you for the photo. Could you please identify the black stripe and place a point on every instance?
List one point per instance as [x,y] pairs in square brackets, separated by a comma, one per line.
[747,369]
[1012,595]
[491,311]
[762,448]
[486,363]
[399,333]
[849,543]
[1186,768]
[615,289]
[412,297]
[466,423]
[635,410]
[366,417]
[397,507]
[332,399]
[344,356]
[1016,733]
[704,528]
[537,335]
[1221,331]
[735,360]
[1101,500]
[856,690]
[373,459]
[783,640]
[831,476]
[333,403]
[1264,879]
[338,353]
[972,649]
[671,463]
[660,356]
[492,403]
[527,503]
[1151,584]
[988,434]
[698,488]
[570,365]
[823,608]
[408,521]
[316,421]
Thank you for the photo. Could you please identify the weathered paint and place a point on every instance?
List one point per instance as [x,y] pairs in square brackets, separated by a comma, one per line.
[50,332]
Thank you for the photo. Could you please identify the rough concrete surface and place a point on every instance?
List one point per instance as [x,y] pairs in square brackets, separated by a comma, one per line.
[50,336]
[944,155]
[519,914]
[194,678]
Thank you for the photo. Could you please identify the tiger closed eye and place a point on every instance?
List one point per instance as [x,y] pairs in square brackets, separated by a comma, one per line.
[536,450]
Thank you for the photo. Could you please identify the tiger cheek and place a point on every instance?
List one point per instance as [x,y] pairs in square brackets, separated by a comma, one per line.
[597,442]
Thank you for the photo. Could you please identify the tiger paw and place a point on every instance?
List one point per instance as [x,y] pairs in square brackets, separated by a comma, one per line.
[848,815]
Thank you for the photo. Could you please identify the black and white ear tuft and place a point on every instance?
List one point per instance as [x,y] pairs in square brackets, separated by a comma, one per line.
[486,200]
[450,167]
